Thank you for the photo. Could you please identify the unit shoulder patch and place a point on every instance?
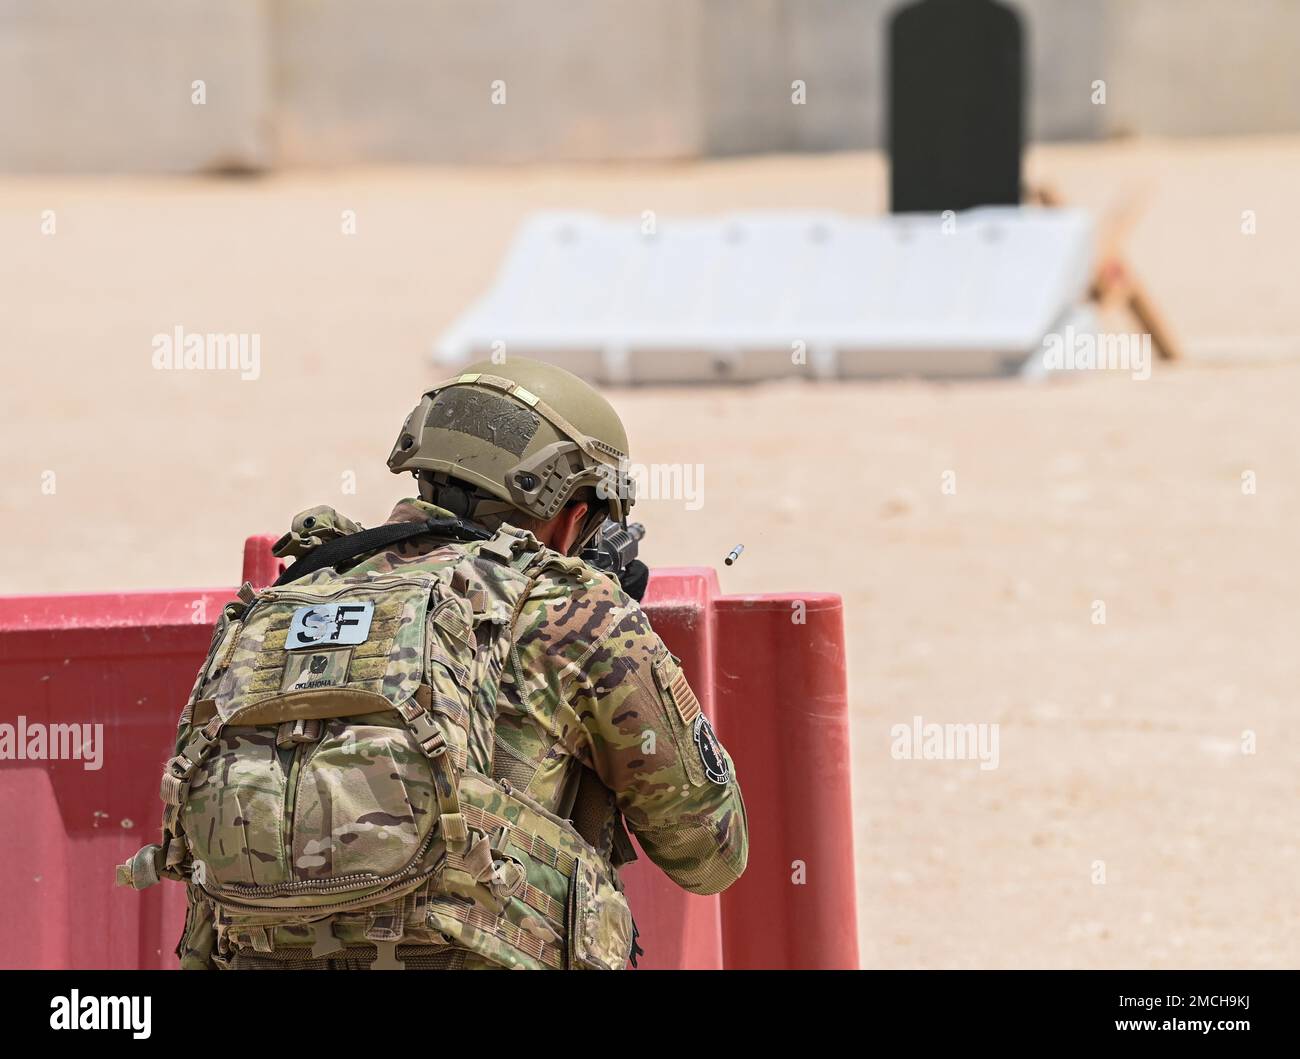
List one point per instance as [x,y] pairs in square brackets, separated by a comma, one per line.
[711,754]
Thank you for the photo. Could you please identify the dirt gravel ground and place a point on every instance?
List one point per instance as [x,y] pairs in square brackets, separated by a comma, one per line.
[1125,747]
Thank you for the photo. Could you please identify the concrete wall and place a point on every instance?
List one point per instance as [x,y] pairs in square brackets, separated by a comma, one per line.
[1066,43]
[91,85]
[106,85]
[412,80]
[1191,67]
[753,50]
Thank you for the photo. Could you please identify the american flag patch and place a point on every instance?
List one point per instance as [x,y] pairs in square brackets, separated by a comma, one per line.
[688,706]
[672,680]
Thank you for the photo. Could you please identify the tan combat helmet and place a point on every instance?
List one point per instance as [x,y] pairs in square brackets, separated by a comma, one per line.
[522,436]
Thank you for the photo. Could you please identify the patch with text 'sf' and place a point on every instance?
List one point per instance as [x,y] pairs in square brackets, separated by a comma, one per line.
[715,762]
[317,669]
[329,625]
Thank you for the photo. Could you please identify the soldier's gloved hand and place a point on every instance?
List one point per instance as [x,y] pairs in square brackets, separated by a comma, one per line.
[634,579]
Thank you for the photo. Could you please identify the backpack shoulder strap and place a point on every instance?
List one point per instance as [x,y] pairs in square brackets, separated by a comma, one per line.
[512,568]
[354,545]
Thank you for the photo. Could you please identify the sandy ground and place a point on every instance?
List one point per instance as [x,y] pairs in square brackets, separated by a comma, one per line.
[1120,743]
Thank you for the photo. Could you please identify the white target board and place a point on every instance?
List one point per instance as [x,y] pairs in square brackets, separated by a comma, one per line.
[776,293]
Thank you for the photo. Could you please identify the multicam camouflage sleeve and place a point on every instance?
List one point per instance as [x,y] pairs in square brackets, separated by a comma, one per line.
[640,728]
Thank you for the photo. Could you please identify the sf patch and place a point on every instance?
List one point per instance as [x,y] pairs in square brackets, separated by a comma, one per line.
[329,625]
[710,750]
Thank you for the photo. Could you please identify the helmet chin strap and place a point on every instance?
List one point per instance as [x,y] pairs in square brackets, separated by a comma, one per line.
[595,519]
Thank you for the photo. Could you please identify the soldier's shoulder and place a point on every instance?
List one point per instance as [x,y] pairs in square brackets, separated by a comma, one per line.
[558,578]
[572,608]
[556,572]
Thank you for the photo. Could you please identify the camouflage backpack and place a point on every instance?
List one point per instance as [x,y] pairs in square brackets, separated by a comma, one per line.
[332,797]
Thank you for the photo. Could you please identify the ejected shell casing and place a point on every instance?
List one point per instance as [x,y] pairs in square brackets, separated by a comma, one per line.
[734,554]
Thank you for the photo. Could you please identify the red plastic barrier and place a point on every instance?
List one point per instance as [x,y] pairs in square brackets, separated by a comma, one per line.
[783,714]
[679,929]
[127,661]
[260,566]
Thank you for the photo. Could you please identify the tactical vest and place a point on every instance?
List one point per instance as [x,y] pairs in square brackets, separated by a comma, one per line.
[334,797]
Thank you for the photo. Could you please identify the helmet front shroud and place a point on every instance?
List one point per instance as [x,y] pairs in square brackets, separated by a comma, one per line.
[523,436]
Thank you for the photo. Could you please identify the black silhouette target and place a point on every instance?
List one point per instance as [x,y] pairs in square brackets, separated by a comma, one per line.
[956,105]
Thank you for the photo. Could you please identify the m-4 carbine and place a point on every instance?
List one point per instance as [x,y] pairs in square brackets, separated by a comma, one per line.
[614,550]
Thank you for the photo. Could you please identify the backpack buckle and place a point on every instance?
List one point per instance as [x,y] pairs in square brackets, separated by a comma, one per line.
[176,777]
[427,734]
[509,542]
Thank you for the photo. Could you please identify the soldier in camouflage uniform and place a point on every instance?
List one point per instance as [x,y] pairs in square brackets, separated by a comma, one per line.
[593,726]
